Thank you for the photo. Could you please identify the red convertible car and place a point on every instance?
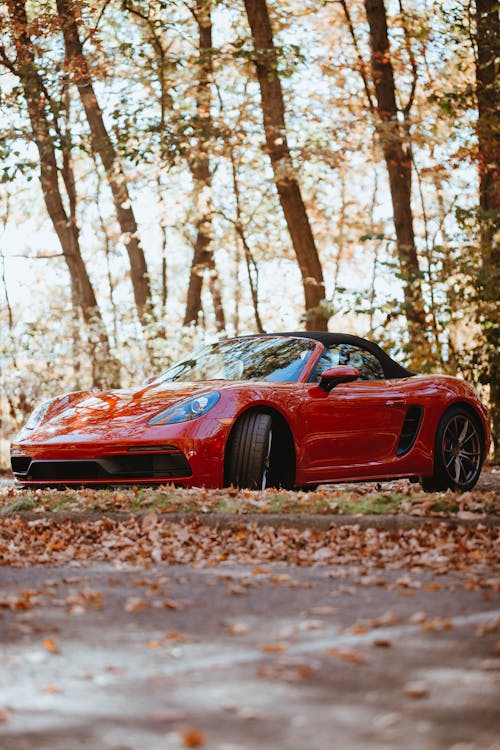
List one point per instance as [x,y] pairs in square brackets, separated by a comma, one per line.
[283,410]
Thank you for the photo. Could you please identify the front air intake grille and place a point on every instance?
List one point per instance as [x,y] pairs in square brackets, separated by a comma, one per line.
[20,464]
[147,466]
[64,470]
[409,431]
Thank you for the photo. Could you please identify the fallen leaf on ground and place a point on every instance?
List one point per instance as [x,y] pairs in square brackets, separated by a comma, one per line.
[381,643]
[490,626]
[192,737]
[51,688]
[170,604]
[50,644]
[273,648]
[353,656]
[134,604]
[237,628]
[416,689]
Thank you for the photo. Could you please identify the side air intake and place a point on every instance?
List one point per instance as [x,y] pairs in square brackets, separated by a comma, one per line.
[409,431]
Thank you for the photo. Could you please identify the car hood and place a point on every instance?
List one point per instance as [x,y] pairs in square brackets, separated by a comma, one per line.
[90,412]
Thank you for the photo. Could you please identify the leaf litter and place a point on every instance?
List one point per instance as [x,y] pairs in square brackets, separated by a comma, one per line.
[434,547]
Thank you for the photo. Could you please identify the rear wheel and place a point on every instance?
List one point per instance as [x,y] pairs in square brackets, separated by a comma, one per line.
[248,456]
[458,452]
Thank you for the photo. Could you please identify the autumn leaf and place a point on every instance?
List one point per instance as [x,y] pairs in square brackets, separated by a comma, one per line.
[171,604]
[381,643]
[51,688]
[174,635]
[133,604]
[273,648]
[353,656]
[416,689]
[50,644]
[192,737]
[237,628]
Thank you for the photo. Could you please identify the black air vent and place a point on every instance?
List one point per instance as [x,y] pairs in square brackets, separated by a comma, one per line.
[410,429]
[20,464]
[146,466]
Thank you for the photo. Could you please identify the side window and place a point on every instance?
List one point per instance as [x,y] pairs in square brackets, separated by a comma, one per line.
[327,359]
[366,362]
[347,354]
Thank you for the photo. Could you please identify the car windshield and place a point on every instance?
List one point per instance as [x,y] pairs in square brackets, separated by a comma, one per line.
[277,359]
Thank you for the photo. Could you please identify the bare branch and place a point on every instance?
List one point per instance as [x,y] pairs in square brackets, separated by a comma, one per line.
[6,61]
[361,62]
[96,26]
[412,59]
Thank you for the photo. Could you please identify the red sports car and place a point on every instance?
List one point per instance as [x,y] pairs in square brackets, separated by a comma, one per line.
[284,410]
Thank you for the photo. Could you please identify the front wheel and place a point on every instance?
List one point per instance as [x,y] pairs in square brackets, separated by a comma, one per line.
[248,455]
[458,452]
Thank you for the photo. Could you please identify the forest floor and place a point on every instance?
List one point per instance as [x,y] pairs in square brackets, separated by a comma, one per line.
[362,617]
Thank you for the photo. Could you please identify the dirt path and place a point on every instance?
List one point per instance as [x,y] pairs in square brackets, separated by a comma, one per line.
[247,657]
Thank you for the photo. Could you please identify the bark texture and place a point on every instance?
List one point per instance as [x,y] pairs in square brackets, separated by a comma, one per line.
[203,260]
[102,144]
[397,156]
[290,196]
[106,371]
[488,133]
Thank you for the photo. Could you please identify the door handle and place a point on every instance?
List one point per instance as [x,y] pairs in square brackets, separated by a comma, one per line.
[396,403]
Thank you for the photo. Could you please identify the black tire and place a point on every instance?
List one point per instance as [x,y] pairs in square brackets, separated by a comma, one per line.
[248,453]
[458,452]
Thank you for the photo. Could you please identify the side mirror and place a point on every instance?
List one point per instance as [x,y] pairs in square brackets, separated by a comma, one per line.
[333,376]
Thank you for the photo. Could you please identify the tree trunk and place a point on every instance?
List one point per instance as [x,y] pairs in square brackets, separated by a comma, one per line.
[65,226]
[399,165]
[488,131]
[102,144]
[289,193]
[203,260]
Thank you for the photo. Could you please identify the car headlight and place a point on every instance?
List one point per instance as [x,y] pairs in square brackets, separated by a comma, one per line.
[37,416]
[185,411]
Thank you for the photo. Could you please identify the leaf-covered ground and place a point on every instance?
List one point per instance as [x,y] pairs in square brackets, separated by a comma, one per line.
[79,524]
[149,540]
[394,497]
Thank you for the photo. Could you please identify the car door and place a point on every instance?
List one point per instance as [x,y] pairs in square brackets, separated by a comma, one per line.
[354,429]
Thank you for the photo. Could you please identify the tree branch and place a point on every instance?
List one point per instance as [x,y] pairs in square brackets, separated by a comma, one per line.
[6,61]
[361,62]
[411,57]
[99,19]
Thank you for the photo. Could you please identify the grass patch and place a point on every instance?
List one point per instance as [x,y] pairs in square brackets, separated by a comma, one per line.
[378,503]
[395,497]
[445,506]
[24,503]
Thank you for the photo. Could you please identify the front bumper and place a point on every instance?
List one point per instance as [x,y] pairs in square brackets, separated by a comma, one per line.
[188,460]
[138,466]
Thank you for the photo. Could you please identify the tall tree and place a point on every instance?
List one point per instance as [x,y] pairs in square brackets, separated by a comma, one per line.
[273,110]
[80,74]
[43,119]
[199,163]
[398,160]
[488,137]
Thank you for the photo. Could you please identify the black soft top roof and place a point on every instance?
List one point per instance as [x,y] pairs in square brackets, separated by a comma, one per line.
[391,368]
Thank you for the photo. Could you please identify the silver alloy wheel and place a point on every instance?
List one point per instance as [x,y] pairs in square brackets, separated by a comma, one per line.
[267,462]
[461,450]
